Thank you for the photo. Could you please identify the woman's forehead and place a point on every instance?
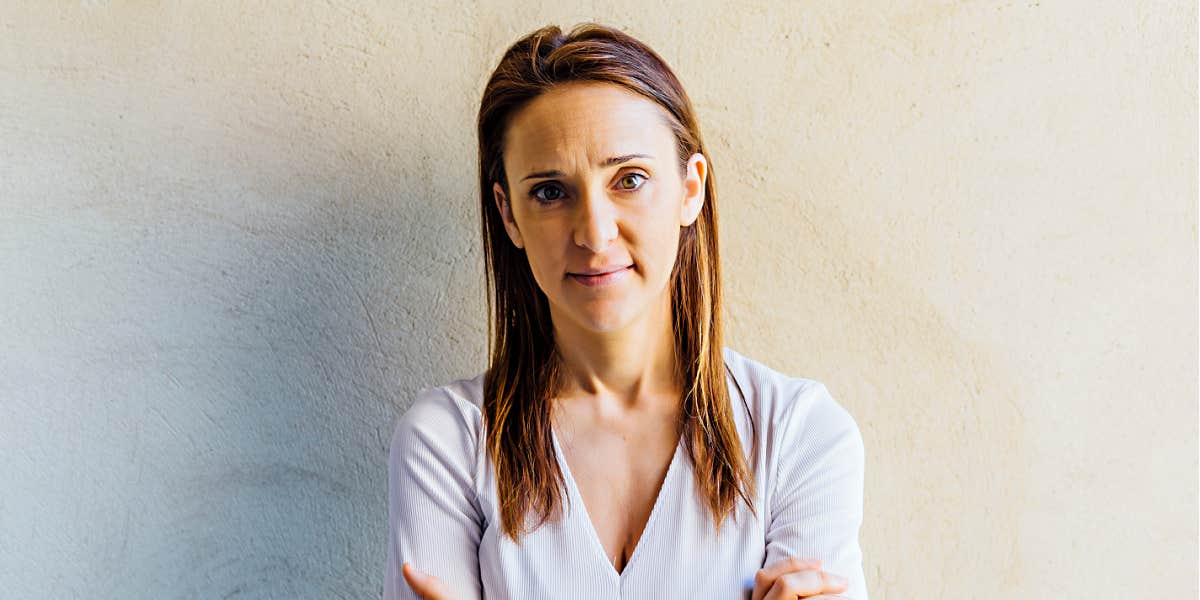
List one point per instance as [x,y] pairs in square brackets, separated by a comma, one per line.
[593,121]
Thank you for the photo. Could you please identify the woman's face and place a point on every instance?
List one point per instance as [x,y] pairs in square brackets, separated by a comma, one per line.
[595,185]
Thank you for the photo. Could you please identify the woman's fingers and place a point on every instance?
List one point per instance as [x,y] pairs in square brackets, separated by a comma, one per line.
[766,576]
[425,585]
[805,583]
[792,577]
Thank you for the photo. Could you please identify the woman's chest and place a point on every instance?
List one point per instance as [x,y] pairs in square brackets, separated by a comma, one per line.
[678,552]
[619,483]
[633,525]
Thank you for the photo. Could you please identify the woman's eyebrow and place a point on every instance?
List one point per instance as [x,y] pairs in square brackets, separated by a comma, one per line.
[608,162]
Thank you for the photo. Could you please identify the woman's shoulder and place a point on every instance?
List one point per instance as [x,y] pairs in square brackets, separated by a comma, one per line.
[442,414]
[465,393]
[787,401]
[805,429]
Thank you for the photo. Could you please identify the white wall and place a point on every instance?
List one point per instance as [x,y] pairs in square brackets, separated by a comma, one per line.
[236,239]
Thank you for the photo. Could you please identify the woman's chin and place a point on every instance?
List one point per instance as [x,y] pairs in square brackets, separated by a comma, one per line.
[603,321]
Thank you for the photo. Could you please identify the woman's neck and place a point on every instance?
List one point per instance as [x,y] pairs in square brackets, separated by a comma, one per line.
[622,371]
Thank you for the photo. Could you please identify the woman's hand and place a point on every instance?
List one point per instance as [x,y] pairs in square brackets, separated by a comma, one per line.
[793,578]
[425,585]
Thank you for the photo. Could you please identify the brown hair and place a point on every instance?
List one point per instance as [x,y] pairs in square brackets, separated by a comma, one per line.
[524,365]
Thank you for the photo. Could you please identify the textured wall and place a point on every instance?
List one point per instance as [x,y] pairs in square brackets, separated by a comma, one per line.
[235,240]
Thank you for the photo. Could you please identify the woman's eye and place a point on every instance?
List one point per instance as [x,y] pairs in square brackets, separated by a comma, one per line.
[550,193]
[631,186]
[536,193]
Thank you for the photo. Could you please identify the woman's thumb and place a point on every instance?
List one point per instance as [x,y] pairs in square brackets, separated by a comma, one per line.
[425,585]
[413,573]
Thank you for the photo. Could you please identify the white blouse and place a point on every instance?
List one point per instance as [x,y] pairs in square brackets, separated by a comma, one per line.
[444,515]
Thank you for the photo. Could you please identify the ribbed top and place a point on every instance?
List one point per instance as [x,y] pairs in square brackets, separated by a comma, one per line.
[443,513]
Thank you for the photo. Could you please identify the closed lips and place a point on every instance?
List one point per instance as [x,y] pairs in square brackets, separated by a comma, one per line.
[604,271]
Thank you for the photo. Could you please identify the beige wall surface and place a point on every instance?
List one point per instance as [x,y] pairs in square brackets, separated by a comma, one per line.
[236,237]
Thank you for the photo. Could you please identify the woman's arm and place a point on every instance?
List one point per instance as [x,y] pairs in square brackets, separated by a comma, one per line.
[817,506]
[433,516]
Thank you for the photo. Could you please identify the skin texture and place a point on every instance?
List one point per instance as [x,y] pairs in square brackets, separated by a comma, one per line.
[617,340]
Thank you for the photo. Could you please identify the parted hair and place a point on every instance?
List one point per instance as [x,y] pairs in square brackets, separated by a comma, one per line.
[524,366]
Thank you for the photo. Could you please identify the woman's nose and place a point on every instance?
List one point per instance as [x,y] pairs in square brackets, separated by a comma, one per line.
[595,221]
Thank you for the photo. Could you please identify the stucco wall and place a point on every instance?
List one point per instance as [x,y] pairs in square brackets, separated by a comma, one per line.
[235,239]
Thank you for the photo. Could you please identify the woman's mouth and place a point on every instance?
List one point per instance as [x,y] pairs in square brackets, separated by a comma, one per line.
[603,279]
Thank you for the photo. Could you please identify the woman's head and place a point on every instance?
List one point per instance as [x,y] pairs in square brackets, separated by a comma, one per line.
[590,156]
[593,184]
[566,103]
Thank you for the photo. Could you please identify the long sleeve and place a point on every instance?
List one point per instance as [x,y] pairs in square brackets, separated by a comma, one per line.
[817,505]
[433,517]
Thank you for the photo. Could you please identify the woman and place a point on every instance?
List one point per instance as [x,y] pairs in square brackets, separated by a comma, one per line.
[609,388]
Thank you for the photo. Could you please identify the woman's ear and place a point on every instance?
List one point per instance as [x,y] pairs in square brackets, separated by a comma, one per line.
[693,190]
[506,215]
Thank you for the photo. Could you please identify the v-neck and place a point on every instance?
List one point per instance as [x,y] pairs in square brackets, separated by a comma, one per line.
[577,499]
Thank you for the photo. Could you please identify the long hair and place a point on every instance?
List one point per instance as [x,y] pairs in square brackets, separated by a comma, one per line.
[525,368]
